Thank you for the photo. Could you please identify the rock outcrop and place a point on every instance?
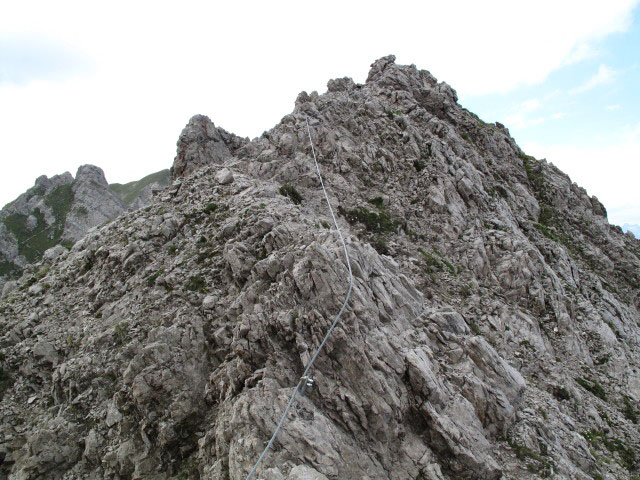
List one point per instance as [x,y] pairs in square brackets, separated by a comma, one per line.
[492,334]
[201,143]
[95,203]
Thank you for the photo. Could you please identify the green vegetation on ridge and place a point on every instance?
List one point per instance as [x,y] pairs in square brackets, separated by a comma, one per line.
[32,242]
[128,192]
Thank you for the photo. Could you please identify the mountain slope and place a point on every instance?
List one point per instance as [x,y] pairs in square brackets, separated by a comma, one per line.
[138,194]
[493,330]
[60,210]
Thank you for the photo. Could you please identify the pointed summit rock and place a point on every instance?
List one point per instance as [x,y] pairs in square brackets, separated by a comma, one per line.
[202,143]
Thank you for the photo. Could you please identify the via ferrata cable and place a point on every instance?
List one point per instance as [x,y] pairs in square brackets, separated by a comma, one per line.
[305,375]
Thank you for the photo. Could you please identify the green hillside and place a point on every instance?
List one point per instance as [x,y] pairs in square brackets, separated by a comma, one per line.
[129,191]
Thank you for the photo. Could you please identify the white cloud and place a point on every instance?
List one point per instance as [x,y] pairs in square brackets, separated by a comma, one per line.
[558,115]
[631,133]
[609,171]
[29,58]
[154,64]
[612,107]
[530,105]
[604,76]
[520,118]
[581,52]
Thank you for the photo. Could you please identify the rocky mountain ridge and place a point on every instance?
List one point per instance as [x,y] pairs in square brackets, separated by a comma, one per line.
[61,209]
[493,330]
[635,229]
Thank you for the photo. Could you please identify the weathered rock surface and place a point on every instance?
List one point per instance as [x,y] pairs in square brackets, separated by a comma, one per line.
[96,203]
[201,143]
[492,334]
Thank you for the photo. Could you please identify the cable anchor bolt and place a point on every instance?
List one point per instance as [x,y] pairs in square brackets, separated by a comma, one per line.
[308,381]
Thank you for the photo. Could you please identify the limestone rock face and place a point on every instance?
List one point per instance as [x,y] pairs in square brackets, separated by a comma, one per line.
[94,203]
[493,331]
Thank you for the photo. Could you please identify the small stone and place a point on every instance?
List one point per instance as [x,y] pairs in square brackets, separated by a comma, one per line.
[8,288]
[273,474]
[224,176]
[35,289]
[54,252]
[209,302]
[113,416]
[303,472]
[45,351]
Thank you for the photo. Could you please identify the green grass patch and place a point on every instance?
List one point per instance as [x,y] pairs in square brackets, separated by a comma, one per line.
[547,215]
[8,269]
[375,222]
[196,284]
[536,462]
[128,192]
[629,410]
[592,386]
[151,279]
[121,332]
[32,243]
[431,260]
[452,269]
[436,262]
[535,175]
[60,201]
[290,191]
[598,439]
[210,208]
[378,202]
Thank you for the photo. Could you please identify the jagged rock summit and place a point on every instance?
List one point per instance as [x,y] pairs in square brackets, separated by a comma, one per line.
[493,330]
[202,143]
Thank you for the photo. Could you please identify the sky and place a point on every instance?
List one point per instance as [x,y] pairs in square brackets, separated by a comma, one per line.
[113,83]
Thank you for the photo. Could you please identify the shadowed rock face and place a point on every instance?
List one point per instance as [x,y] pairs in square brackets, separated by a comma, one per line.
[493,330]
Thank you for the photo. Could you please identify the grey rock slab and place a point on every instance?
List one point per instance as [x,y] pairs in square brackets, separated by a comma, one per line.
[304,472]
[224,176]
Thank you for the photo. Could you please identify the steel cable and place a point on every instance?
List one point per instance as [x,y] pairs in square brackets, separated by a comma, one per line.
[309,366]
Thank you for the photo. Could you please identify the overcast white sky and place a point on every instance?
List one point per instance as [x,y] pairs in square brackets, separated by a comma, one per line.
[113,83]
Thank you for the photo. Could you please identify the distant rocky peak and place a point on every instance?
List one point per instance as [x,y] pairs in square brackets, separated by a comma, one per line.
[60,210]
[45,184]
[379,66]
[88,173]
[50,183]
